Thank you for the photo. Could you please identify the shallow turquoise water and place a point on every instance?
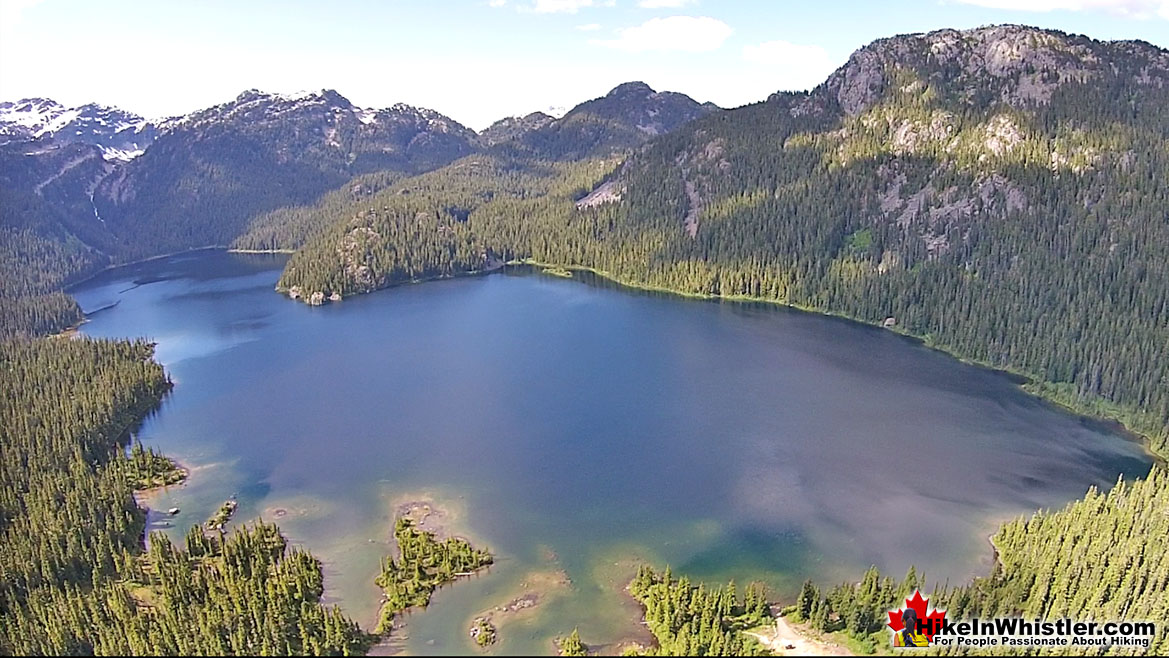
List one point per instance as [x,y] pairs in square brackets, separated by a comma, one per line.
[577,428]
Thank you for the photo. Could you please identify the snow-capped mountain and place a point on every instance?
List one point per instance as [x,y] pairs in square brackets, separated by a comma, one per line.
[121,135]
[231,162]
[103,185]
[323,129]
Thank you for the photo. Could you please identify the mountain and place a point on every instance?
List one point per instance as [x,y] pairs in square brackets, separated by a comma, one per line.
[607,127]
[514,128]
[328,130]
[210,172]
[625,118]
[999,192]
[121,135]
[89,186]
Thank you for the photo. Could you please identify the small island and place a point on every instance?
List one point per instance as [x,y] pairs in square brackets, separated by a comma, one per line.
[534,590]
[424,564]
[558,271]
[483,632]
[222,515]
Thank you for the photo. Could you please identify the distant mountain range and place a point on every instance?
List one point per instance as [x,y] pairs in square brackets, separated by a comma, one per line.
[1001,192]
[121,135]
[108,185]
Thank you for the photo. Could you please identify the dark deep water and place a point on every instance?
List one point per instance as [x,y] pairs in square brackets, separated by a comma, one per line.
[577,428]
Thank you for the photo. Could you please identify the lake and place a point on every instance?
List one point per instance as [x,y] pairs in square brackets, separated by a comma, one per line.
[578,429]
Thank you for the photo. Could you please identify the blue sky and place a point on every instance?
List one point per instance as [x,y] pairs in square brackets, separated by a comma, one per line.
[480,60]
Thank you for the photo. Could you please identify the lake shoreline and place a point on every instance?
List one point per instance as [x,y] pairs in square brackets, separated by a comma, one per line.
[1147,436]
[75,284]
[1033,386]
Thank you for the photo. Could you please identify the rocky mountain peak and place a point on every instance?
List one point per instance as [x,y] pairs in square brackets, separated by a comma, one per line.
[631,89]
[1012,64]
[514,127]
[120,135]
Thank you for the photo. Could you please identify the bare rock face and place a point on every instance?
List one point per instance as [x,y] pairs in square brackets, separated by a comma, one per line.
[860,82]
[1002,135]
[317,298]
[1012,64]
[608,192]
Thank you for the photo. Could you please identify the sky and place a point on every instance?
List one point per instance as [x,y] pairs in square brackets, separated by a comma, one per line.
[481,60]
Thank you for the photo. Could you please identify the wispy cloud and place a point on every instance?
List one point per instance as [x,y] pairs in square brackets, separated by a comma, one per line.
[676,33]
[496,3]
[790,66]
[663,4]
[589,27]
[565,6]
[1141,9]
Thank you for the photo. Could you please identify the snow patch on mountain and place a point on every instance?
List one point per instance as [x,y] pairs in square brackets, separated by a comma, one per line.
[122,134]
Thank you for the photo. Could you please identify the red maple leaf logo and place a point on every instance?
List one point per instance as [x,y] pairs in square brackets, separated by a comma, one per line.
[931,621]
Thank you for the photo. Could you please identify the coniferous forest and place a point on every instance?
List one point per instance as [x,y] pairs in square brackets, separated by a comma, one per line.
[423,565]
[1043,251]
[694,620]
[1102,558]
[74,576]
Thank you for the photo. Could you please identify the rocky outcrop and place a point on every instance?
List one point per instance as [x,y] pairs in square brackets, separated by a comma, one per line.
[1012,64]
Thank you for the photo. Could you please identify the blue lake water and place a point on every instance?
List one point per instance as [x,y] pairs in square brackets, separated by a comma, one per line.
[577,429]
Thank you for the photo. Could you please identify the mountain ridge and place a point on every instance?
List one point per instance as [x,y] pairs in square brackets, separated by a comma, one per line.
[1024,202]
[250,164]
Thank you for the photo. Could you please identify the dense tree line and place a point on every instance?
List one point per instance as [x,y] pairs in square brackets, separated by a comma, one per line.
[74,578]
[428,226]
[696,620]
[1101,558]
[290,227]
[1045,251]
[423,565]
[147,469]
[32,269]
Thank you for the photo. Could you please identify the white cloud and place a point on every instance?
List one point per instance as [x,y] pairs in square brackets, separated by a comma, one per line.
[663,4]
[1141,9]
[496,3]
[789,65]
[589,27]
[566,6]
[10,10]
[676,33]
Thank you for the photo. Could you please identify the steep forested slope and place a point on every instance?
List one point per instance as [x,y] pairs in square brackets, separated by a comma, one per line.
[613,125]
[264,171]
[999,191]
